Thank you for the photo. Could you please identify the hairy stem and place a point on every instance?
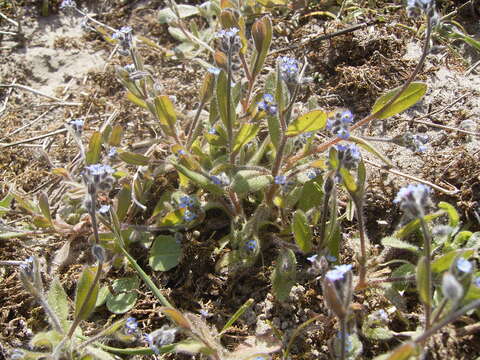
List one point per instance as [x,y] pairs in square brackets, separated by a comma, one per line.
[427,253]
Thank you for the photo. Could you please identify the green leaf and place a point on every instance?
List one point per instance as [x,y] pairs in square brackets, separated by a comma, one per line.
[283,276]
[312,195]
[403,352]
[171,219]
[403,271]
[461,238]
[414,225]
[453,216]
[58,301]
[199,179]
[444,262]
[378,333]
[246,134]
[302,232]
[136,100]
[399,244]
[94,148]
[124,200]
[274,130]
[165,111]
[412,94]
[237,314]
[83,287]
[246,181]
[222,101]
[5,204]
[422,281]
[311,121]
[99,354]
[47,339]
[115,136]
[348,181]
[102,296]
[133,158]
[45,206]
[165,253]
[166,15]
[124,295]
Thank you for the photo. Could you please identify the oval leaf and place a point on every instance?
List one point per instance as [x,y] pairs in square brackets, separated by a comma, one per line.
[311,121]
[165,253]
[412,94]
[124,295]
[83,287]
[301,231]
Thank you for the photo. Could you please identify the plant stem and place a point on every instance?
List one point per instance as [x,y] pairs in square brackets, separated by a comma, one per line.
[343,334]
[192,132]
[156,291]
[229,114]
[427,245]
[448,319]
[362,260]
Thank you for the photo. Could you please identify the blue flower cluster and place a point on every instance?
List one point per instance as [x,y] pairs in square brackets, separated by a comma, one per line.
[187,203]
[280,180]
[77,126]
[340,123]
[338,272]
[415,7]
[348,155]
[230,42]
[289,69]
[413,199]
[221,179]
[99,175]
[154,340]
[125,39]
[268,104]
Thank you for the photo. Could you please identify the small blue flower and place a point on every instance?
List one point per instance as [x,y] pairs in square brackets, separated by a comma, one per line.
[212,131]
[272,110]
[477,281]
[77,125]
[130,68]
[380,315]
[312,258]
[189,216]
[68,4]
[112,152]
[268,98]
[338,272]
[151,343]
[464,265]
[104,209]
[186,202]
[182,152]
[331,258]
[280,180]
[213,70]
[131,325]
[251,245]
[346,117]
[221,179]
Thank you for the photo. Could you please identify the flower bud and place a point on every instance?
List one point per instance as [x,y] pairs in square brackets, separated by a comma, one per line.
[451,288]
